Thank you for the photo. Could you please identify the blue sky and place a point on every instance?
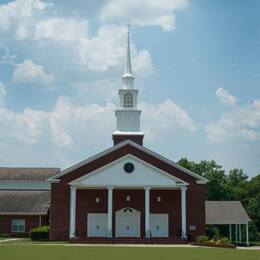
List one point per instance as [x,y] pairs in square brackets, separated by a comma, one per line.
[196,63]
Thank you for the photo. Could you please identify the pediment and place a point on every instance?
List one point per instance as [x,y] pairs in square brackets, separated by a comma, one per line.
[117,174]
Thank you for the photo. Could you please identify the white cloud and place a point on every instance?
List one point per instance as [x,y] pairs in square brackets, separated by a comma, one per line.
[225,98]
[2,93]
[107,49]
[143,13]
[16,15]
[28,72]
[242,123]
[67,38]
[164,117]
[61,29]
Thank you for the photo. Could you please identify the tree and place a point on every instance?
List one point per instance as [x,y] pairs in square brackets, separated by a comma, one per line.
[232,186]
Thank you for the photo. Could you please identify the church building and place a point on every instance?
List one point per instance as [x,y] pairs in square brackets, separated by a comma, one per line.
[127,191]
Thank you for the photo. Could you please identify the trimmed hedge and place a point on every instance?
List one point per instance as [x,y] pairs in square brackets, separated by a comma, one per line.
[40,233]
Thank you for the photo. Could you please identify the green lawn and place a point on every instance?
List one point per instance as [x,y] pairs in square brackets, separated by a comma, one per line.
[65,252]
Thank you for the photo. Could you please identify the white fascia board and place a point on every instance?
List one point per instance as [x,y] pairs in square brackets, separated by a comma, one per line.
[127,133]
[88,175]
[227,222]
[23,214]
[113,148]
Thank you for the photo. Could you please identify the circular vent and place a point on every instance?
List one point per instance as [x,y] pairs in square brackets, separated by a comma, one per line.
[129,167]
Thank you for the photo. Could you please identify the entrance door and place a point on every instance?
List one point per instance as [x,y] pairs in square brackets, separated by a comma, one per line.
[159,225]
[128,223]
[97,225]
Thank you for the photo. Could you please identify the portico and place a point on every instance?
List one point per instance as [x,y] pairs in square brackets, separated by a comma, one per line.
[143,177]
[112,217]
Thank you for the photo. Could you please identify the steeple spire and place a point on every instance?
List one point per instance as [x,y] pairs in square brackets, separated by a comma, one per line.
[128,67]
[128,78]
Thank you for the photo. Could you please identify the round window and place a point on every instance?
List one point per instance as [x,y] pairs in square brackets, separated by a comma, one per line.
[129,167]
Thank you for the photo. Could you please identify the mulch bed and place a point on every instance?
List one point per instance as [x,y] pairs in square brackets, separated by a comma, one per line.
[213,245]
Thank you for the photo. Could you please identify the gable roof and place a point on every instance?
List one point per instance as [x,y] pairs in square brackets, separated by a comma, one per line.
[225,212]
[156,176]
[26,174]
[55,178]
[24,202]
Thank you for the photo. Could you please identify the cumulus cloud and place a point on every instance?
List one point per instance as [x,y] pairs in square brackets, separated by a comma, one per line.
[61,29]
[164,117]
[225,98]
[28,72]
[2,93]
[17,15]
[143,13]
[242,123]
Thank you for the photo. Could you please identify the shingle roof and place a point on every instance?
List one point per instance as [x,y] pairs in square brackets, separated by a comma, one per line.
[24,202]
[32,174]
[225,212]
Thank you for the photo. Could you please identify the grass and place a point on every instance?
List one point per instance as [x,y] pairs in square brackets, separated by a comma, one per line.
[65,252]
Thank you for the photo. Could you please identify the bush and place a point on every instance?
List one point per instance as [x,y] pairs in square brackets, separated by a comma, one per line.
[202,239]
[224,241]
[40,233]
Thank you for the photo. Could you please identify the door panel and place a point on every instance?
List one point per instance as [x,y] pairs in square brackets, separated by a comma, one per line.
[159,225]
[128,224]
[97,225]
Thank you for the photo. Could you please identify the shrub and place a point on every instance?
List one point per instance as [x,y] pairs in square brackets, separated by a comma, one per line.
[40,233]
[202,239]
[224,241]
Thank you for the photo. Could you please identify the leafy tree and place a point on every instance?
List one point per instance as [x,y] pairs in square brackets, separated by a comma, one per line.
[232,186]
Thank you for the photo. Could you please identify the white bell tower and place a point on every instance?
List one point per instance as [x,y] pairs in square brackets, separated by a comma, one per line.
[127,115]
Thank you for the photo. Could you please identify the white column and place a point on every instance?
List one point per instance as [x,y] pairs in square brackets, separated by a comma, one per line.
[247,235]
[72,212]
[110,212]
[230,232]
[239,233]
[183,212]
[147,212]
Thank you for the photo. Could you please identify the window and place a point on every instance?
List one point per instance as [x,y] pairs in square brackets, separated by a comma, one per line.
[97,199]
[159,199]
[128,198]
[18,225]
[128,100]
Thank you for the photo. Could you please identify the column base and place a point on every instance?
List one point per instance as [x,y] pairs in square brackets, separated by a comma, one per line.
[109,234]
[147,234]
[72,237]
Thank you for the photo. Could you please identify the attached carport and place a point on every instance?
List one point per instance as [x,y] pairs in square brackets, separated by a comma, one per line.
[230,213]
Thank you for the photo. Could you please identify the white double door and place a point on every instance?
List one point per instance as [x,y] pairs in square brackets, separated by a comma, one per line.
[128,223]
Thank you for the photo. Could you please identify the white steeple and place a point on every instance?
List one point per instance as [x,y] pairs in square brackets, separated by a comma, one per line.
[128,78]
[127,115]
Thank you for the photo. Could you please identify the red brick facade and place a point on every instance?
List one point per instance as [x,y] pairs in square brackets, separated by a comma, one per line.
[30,222]
[170,199]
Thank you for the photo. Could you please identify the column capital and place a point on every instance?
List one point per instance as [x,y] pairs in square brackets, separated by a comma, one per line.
[110,187]
[147,187]
[72,187]
[183,188]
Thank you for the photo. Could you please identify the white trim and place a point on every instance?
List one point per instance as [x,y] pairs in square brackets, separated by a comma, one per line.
[115,147]
[224,222]
[127,133]
[22,214]
[88,175]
